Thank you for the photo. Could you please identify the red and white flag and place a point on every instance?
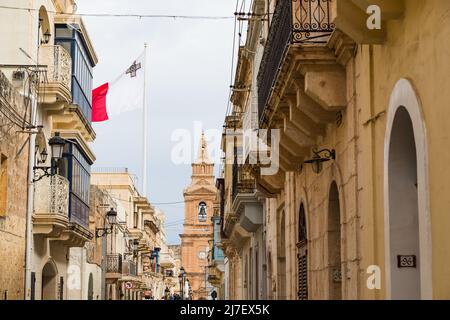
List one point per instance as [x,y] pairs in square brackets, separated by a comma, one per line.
[124,94]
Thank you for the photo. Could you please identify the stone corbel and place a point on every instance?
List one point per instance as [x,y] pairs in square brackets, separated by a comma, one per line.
[327,88]
[308,106]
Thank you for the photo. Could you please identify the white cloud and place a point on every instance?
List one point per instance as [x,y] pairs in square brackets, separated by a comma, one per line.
[189,70]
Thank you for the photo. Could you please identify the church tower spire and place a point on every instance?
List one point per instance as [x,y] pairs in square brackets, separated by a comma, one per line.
[203,167]
[202,155]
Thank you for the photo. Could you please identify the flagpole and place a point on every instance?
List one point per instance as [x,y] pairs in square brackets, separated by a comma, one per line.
[145,127]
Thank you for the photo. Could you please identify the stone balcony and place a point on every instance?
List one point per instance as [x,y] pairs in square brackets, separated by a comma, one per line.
[135,233]
[245,202]
[166,260]
[302,84]
[55,86]
[51,206]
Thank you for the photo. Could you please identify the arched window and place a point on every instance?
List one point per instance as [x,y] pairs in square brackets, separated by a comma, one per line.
[202,212]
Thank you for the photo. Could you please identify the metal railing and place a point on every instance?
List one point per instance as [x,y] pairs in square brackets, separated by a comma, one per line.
[129,268]
[311,21]
[59,64]
[114,263]
[294,22]
[234,183]
[276,46]
[52,196]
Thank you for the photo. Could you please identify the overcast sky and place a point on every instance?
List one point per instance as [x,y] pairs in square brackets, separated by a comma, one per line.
[189,78]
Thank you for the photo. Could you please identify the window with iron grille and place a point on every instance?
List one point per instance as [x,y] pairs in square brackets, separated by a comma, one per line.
[302,256]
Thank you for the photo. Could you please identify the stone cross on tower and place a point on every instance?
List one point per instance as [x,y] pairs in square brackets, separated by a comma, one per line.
[202,156]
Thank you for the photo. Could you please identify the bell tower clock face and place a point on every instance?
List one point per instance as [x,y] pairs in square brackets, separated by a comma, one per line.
[202,255]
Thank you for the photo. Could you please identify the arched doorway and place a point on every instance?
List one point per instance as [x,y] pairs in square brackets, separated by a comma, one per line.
[49,282]
[302,256]
[334,244]
[403,208]
[91,287]
[407,217]
[281,253]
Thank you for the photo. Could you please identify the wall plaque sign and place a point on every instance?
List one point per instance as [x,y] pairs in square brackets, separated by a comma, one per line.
[406,261]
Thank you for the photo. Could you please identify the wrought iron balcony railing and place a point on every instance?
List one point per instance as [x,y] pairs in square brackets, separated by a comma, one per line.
[114,263]
[52,196]
[59,65]
[300,22]
[129,268]
[243,181]
[311,21]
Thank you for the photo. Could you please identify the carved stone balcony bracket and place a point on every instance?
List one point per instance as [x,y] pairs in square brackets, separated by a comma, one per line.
[250,211]
[343,46]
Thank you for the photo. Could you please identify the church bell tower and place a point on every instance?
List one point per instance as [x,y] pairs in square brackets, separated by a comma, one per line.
[198,228]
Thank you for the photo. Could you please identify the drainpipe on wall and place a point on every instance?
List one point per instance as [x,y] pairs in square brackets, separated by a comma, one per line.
[30,205]
[30,189]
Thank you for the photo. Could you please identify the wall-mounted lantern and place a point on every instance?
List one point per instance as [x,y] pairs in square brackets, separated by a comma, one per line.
[57,147]
[319,158]
[111,218]
[46,37]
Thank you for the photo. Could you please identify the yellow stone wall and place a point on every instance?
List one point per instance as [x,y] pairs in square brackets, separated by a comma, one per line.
[14,166]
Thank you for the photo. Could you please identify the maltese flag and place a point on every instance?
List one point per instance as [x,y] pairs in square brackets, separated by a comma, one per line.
[124,94]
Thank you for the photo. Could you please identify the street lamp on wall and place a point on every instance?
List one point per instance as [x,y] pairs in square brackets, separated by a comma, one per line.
[56,144]
[46,37]
[321,156]
[111,218]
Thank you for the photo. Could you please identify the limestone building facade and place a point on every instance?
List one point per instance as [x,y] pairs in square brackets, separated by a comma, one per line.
[13,191]
[139,261]
[356,124]
[50,57]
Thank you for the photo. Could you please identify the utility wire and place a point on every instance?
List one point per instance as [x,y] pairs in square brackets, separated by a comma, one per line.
[125,15]
[232,62]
